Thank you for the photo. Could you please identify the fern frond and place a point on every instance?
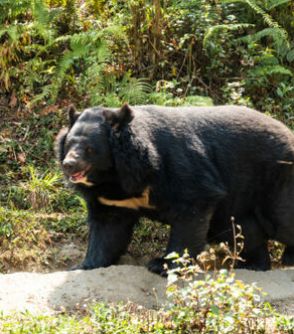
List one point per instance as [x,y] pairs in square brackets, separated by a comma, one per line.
[48,92]
[80,46]
[259,10]
[42,19]
[134,90]
[40,12]
[277,32]
[10,9]
[114,31]
[90,47]
[62,39]
[271,4]
[64,63]
[262,71]
[266,17]
[280,42]
[13,31]
[211,31]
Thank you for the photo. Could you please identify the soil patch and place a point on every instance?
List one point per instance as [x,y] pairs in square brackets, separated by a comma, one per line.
[48,293]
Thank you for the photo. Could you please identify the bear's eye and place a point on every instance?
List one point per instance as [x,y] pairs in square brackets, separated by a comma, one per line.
[89,150]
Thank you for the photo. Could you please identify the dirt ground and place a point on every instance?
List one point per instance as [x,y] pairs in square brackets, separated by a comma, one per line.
[49,287]
[51,292]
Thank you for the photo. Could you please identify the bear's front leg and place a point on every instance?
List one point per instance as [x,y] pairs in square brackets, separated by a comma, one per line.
[110,232]
[187,232]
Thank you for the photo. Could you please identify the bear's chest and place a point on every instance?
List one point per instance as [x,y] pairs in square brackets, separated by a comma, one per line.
[141,201]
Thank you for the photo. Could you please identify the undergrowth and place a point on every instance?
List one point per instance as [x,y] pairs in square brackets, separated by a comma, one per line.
[109,52]
[212,304]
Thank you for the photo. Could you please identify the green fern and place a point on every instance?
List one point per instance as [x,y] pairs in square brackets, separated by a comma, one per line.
[280,44]
[134,90]
[13,32]
[11,9]
[42,19]
[41,15]
[269,70]
[274,32]
[271,4]
[89,48]
[212,31]
[267,18]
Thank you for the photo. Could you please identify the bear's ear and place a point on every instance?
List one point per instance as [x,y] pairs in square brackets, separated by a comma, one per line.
[72,115]
[117,119]
[59,144]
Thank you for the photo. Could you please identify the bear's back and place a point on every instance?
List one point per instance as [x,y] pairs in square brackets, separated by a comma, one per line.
[229,128]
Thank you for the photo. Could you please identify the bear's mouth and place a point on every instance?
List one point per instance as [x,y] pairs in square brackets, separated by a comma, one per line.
[79,176]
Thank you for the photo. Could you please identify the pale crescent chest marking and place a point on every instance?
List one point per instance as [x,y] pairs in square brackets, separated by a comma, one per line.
[84,181]
[134,203]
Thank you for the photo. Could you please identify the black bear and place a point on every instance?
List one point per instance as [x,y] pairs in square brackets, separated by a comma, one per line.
[190,167]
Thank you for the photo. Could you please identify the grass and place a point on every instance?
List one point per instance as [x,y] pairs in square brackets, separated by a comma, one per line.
[29,241]
[22,239]
[99,318]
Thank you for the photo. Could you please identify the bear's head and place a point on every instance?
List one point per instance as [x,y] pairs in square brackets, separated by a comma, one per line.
[84,148]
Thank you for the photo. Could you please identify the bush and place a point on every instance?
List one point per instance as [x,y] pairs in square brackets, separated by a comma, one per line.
[216,304]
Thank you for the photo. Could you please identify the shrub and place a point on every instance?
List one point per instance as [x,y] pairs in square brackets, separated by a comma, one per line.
[217,303]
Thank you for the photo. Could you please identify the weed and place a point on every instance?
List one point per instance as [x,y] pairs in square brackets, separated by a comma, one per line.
[22,239]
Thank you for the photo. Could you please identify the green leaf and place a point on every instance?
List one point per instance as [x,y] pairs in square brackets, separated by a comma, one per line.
[290,56]
[271,4]
[270,70]
[214,309]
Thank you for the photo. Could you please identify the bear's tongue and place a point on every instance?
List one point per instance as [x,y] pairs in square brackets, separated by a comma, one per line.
[77,176]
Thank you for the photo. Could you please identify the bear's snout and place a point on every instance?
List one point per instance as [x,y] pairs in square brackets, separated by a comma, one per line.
[69,165]
[75,167]
[72,162]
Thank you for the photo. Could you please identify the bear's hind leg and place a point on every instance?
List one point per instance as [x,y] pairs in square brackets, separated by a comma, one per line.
[255,252]
[288,256]
[257,259]
[280,211]
[186,233]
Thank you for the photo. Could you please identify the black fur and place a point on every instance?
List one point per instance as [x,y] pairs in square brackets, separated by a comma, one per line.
[202,166]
